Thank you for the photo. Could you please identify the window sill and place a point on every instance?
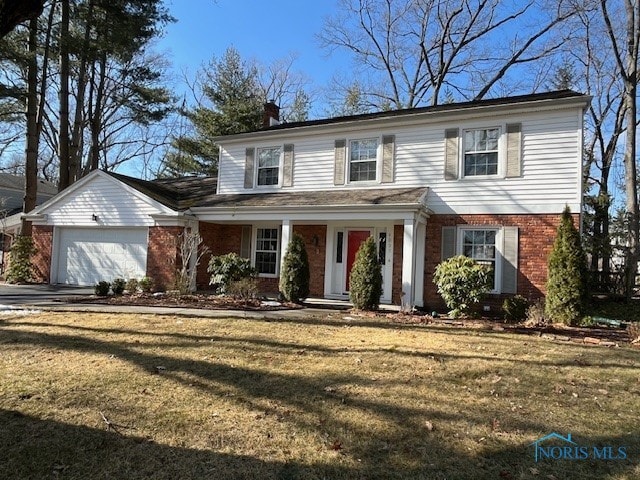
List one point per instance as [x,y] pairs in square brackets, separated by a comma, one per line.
[267,275]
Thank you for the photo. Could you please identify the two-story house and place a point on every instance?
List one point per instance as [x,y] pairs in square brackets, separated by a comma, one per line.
[487,179]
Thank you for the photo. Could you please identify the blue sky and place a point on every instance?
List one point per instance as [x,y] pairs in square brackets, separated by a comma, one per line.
[263,30]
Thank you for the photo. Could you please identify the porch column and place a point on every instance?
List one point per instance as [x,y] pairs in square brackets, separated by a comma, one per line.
[418,283]
[408,262]
[286,237]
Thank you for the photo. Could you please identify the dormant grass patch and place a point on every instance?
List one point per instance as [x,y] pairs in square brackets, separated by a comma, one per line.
[164,397]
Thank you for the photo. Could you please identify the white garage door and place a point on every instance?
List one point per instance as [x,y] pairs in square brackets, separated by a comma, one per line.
[89,255]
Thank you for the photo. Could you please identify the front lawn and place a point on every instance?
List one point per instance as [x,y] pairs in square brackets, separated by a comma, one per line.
[338,397]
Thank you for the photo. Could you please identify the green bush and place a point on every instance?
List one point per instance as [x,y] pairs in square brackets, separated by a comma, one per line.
[102,288]
[566,286]
[244,289]
[117,286]
[146,284]
[365,281]
[294,277]
[461,282]
[225,269]
[20,268]
[515,308]
[132,285]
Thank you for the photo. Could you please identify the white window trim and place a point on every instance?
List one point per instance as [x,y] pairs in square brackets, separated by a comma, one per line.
[502,155]
[257,168]
[499,247]
[378,180]
[254,248]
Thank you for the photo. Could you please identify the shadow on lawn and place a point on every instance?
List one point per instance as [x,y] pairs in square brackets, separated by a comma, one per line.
[630,357]
[82,452]
[34,448]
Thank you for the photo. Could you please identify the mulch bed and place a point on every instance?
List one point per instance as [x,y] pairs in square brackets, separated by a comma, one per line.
[201,301]
[606,336]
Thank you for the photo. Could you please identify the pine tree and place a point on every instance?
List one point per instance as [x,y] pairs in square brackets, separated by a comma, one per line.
[365,281]
[566,285]
[232,104]
[294,277]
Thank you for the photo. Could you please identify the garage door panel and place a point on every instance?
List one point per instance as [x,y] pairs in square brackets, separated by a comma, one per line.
[90,255]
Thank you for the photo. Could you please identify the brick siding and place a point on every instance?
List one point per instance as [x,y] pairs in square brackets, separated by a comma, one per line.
[162,256]
[222,239]
[43,241]
[536,235]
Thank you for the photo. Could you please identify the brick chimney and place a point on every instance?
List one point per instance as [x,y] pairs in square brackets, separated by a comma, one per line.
[271,115]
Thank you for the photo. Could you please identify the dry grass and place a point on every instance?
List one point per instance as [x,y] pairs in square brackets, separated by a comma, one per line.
[324,398]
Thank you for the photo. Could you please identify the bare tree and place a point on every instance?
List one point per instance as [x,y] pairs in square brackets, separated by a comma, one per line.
[31,165]
[191,251]
[625,48]
[278,81]
[416,49]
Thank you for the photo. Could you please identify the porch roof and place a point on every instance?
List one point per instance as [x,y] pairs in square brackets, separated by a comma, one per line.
[399,197]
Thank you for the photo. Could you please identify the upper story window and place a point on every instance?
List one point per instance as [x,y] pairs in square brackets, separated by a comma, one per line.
[481,151]
[268,166]
[363,160]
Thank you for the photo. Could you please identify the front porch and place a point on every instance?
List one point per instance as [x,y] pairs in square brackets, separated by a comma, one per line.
[331,249]
[332,233]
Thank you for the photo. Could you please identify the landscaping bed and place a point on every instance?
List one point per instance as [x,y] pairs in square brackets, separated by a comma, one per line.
[200,300]
[605,336]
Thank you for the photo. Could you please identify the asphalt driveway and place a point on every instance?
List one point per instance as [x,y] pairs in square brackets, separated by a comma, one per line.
[17,295]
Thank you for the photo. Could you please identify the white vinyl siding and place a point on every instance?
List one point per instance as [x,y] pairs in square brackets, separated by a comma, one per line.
[550,177]
[112,203]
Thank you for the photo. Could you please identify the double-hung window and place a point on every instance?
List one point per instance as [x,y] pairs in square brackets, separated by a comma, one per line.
[481,151]
[363,160]
[266,251]
[480,245]
[268,166]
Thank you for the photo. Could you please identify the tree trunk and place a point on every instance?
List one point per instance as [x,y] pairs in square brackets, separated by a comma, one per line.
[96,118]
[630,169]
[31,167]
[77,145]
[63,132]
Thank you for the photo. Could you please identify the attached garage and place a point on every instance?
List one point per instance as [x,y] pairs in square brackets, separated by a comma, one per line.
[108,226]
[86,256]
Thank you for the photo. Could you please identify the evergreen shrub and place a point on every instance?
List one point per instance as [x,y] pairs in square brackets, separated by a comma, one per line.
[566,285]
[294,277]
[117,286]
[365,281]
[225,269]
[20,267]
[461,282]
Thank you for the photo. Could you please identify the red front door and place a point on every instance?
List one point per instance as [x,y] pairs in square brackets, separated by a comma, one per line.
[355,238]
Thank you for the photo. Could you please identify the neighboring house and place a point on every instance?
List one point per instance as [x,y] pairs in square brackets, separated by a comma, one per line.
[488,179]
[11,201]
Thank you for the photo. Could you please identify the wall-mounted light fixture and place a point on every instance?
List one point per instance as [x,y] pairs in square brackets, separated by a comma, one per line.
[316,240]
[94,217]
